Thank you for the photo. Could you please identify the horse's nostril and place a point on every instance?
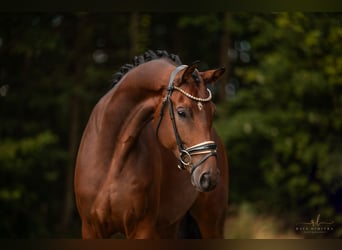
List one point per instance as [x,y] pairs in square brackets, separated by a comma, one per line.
[205,181]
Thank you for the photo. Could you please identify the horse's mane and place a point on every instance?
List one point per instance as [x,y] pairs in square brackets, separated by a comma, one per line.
[146,57]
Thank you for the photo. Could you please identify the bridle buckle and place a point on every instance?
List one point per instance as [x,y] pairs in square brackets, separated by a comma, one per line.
[185,157]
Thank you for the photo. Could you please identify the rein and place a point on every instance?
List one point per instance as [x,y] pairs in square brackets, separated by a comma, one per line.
[208,148]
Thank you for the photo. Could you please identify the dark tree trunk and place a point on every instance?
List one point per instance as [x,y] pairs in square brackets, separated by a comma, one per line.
[224,59]
[134,34]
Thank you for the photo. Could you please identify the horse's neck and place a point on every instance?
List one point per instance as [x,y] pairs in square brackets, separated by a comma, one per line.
[126,109]
[135,119]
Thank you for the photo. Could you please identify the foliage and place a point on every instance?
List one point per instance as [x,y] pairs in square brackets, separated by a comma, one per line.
[284,125]
[29,165]
[51,67]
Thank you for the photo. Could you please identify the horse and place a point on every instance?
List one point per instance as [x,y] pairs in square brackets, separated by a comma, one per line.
[150,162]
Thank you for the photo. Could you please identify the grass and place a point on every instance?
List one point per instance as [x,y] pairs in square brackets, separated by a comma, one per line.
[243,223]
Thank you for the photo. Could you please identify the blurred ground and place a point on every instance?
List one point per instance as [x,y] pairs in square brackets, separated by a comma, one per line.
[243,223]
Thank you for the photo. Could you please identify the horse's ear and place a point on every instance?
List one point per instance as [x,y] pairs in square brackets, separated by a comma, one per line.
[211,76]
[188,73]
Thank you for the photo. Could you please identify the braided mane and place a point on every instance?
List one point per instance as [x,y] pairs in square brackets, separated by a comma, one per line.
[146,57]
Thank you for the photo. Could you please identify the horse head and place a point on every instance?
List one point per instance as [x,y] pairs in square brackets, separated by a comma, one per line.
[187,132]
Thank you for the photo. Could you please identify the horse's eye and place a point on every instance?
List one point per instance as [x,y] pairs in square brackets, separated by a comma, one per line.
[181,113]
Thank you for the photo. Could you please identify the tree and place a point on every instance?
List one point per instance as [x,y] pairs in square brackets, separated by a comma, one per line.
[283,127]
[54,67]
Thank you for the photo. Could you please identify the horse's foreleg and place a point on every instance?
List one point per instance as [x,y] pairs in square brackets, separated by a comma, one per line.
[139,222]
[96,229]
[211,224]
[88,232]
[209,212]
[211,229]
[144,229]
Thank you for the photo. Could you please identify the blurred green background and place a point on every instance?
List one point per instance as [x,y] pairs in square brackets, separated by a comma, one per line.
[279,110]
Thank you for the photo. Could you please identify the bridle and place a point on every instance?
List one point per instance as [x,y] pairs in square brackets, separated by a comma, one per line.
[206,148]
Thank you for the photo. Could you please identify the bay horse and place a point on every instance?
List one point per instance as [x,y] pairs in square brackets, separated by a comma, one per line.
[157,116]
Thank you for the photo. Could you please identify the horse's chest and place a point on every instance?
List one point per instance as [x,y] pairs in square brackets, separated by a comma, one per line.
[176,197]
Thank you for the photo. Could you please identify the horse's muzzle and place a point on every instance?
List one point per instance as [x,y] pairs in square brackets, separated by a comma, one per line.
[205,182]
